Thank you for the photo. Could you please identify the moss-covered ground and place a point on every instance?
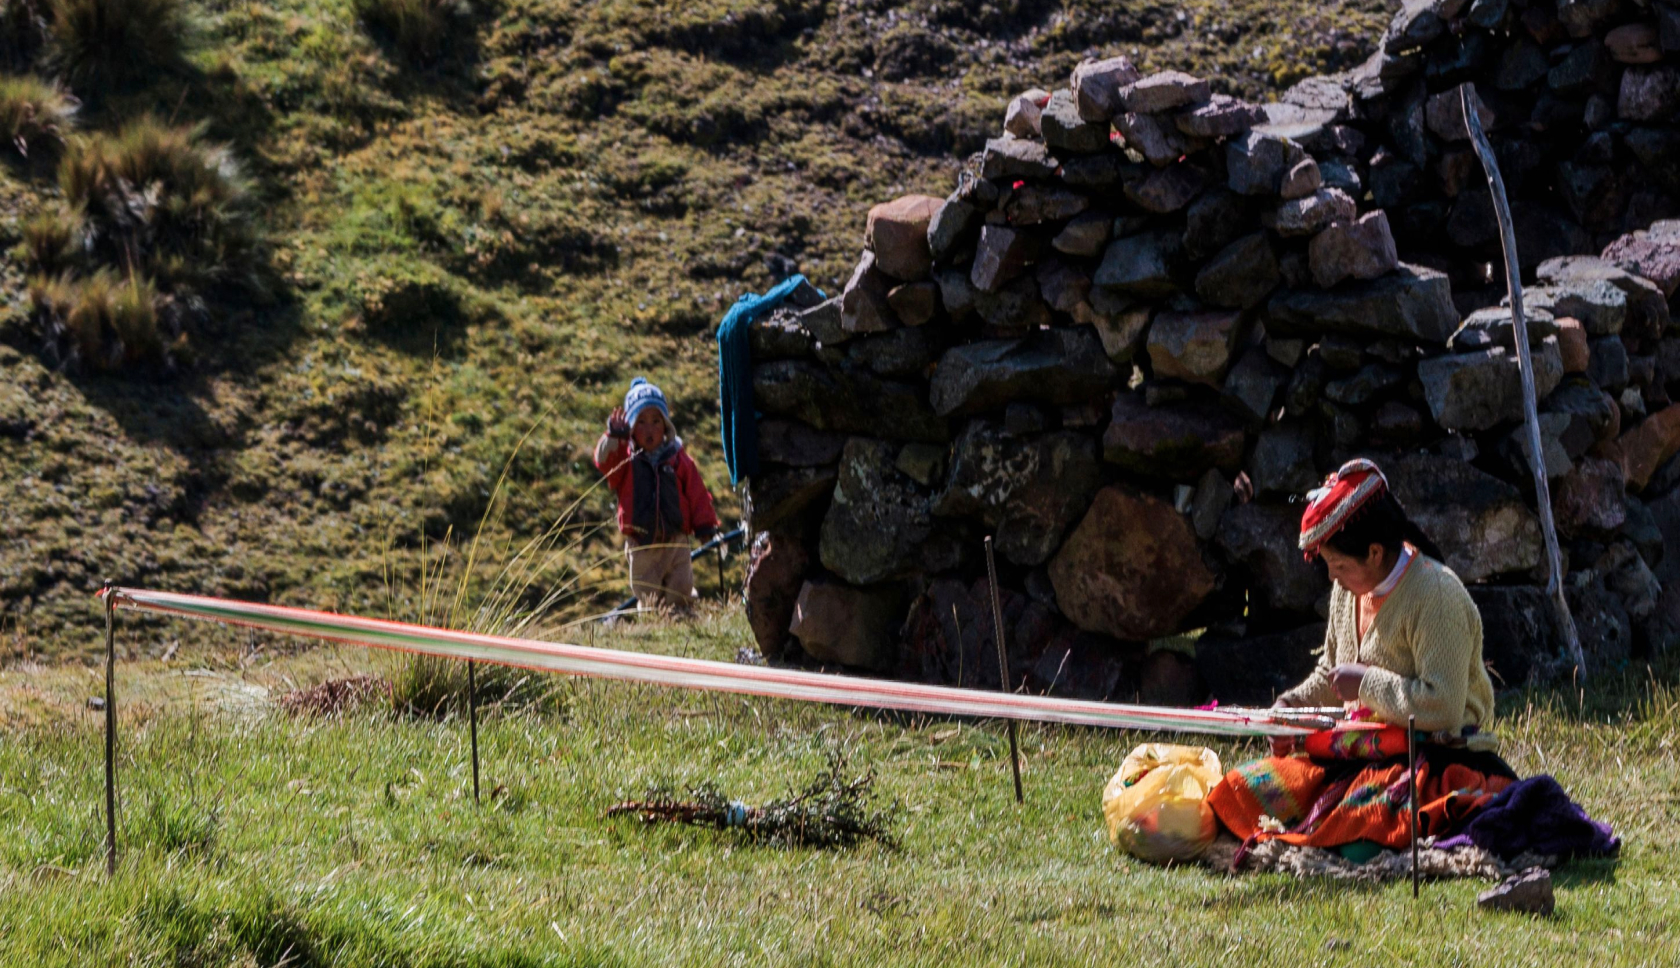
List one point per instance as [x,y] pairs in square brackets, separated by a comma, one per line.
[483,248]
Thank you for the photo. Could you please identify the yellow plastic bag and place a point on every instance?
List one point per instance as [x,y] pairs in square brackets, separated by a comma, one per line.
[1156,805]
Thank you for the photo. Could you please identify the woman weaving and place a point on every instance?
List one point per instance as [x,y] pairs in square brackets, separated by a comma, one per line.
[1404,640]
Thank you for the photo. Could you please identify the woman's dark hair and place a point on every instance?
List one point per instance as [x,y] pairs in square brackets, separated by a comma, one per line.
[1381,522]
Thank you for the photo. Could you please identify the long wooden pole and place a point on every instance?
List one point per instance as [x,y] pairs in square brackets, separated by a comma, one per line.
[472,719]
[1003,666]
[1411,770]
[110,733]
[1525,364]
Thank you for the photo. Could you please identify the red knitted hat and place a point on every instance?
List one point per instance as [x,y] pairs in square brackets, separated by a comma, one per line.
[1354,485]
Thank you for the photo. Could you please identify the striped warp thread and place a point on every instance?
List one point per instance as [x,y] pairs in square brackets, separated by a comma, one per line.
[685,673]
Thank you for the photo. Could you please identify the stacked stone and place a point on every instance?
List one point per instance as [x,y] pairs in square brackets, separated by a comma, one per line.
[1147,319]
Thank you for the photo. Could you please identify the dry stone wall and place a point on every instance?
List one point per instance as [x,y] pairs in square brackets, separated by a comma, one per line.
[1150,316]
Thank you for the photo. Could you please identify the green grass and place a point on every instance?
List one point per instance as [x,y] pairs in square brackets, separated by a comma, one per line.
[252,838]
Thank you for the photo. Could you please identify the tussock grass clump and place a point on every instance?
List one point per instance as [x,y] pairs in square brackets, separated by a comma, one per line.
[419,29]
[34,113]
[432,687]
[101,44]
[104,321]
[157,198]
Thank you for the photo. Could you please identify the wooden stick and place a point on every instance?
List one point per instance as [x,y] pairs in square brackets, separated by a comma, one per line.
[1525,364]
[110,732]
[1411,760]
[472,719]
[1003,665]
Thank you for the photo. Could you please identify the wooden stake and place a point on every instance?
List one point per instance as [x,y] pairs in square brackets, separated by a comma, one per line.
[110,731]
[1525,364]
[1411,766]
[472,719]
[1003,666]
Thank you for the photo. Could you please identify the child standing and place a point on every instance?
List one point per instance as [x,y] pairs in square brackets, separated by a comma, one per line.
[661,498]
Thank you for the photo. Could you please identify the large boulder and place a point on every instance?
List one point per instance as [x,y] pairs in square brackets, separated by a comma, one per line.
[1165,91]
[1059,367]
[1195,347]
[1652,254]
[1482,525]
[837,623]
[1261,540]
[1003,254]
[1479,391]
[846,401]
[1519,631]
[1254,671]
[1412,303]
[1178,443]
[1029,490]
[897,232]
[879,518]
[863,303]
[1011,157]
[1647,315]
[1131,568]
[775,575]
[1064,130]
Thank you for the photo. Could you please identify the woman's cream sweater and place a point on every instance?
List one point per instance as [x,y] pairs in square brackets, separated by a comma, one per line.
[1424,650]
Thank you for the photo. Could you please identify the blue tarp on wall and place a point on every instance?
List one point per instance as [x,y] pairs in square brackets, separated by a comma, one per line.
[735,394]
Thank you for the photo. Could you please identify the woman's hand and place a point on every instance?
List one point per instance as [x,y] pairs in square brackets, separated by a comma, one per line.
[618,425]
[1345,679]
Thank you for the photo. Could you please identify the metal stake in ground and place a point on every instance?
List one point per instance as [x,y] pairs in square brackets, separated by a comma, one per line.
[1411,768]
[1525,365]
[110,731]
[472,719]
[1003,665]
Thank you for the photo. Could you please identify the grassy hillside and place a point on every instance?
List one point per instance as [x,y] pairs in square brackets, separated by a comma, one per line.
[253,838]
[471,236]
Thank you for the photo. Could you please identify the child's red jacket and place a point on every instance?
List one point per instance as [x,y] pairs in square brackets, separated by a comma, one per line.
[647,506]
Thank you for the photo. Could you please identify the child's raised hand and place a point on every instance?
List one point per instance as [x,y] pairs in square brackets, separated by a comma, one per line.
[617,424]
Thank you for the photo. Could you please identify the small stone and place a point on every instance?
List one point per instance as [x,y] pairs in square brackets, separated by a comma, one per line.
[1648,94]
[922,463]
[1649,445]
[796,445]
[1396,423]
[1359,249]
[915,302]
[1588,500]
[1580,70]
[1583,18]
[1415,25]
[1056,367]
[1222,116]
[1002,255]
[1411,303]
[1634,44]
[1021,119]
[1286,351]
[1490,327]
[1255,381]
[1282,464]
[1013,310]
[1084,235]
[1010,157]
[1065,130]
[1031,205]
[1141,265]
[1607,362]
[1444,113]
[1177,443]
[1211,222]
[775,497]
[952,227]
[897,232]
[1302,180]
[1165,91]
[1305,216]
[1600,304]
[1168,189]
[1241,276]
[825,322]
[775,576]
[1261,541]
[1094,171]
[1122,332]
[1160,144]
[863,303]
[1529,892]
[1365,385]
[1572,345]
[1195,347]
[956,292]
[1653,254]
[1482,524]
[1096,87]
[1521,67]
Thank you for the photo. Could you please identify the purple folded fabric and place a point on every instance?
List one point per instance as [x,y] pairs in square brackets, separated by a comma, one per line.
[1536,815]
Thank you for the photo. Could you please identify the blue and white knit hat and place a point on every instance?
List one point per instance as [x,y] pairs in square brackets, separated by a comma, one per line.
[641,396]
